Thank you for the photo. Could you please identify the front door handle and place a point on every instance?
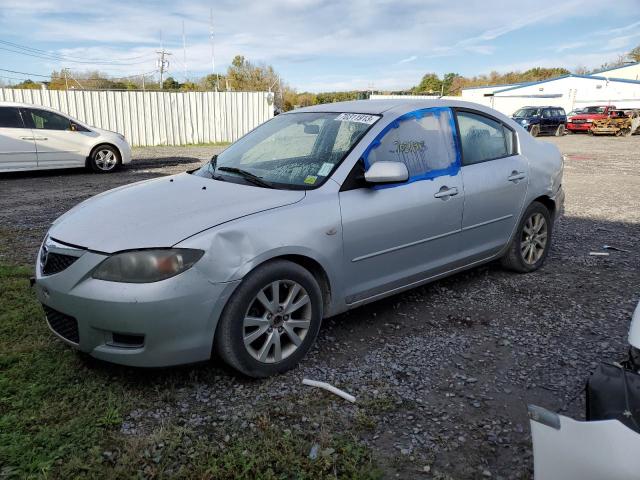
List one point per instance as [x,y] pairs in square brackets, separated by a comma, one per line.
[516,176]
[27,138]
[446,192]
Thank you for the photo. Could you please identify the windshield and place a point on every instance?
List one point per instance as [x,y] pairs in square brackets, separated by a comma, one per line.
[527,112]
[593,110]
[296,150]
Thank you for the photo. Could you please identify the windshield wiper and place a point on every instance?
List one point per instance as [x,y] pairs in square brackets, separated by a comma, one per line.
[256,180]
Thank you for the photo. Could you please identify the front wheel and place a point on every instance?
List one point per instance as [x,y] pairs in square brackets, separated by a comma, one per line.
[271,320]
[530,245]
[535,131]
[104,159]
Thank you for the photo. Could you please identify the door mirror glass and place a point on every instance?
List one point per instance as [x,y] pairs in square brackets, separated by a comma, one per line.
[387,172]
[73,127]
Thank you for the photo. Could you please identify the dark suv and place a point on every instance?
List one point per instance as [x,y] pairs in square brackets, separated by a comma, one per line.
[539,120]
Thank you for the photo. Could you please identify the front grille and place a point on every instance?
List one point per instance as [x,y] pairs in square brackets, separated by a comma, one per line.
[56,262]
[64,325]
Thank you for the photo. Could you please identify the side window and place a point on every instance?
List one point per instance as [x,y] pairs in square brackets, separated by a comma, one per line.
[45,120]
[546,113]
[483,138]
[422,140]
[10,118]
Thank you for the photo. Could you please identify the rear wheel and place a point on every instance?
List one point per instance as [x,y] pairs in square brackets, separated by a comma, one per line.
[530,245]
[560,131]
[105,159]
[271,321]
[535,131]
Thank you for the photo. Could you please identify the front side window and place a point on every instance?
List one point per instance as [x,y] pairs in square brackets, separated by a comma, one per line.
[10,118]
[423,140]
[483,138]
[294,150]
[46,120]
[527,113]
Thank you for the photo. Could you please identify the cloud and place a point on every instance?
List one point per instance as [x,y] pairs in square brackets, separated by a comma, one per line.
[410,59]
[358,41]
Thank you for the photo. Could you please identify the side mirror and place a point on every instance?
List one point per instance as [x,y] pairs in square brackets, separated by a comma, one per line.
[312,129]
[73,127]
[387,172]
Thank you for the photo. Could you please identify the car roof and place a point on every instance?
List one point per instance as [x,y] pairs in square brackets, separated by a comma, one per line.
[27,105]
[393,106]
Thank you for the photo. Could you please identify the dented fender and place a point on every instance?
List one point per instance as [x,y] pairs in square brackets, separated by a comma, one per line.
[311,228]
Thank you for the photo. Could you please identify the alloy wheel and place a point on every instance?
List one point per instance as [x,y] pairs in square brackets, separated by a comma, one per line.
[106,160]
[277,321]
[534,238]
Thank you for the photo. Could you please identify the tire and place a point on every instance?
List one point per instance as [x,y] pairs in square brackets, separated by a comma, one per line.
[105,159]
[535,131]
[246,316]
[520,257]
[560,131]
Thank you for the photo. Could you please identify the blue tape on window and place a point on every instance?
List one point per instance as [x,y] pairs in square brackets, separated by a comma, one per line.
[451,170]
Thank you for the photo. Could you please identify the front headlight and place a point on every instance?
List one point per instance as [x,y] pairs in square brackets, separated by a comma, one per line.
[589,120]
[524,122]
[146,266]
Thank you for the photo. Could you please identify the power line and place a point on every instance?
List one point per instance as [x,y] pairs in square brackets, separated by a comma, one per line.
[24,73]
[65,59]
[56,56]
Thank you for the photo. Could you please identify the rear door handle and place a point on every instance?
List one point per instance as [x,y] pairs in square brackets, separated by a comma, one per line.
[516,176]
[41,138]
[446,192]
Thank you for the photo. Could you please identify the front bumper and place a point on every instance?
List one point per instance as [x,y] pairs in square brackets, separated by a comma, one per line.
[578,127]
[176,318]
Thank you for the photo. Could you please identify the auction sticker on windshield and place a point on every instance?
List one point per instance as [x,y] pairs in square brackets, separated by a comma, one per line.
[325,169]
[357,117]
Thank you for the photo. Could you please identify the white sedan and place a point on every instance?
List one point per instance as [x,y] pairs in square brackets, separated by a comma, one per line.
[40,138]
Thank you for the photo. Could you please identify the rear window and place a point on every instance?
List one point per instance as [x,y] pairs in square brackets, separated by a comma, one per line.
[10,118]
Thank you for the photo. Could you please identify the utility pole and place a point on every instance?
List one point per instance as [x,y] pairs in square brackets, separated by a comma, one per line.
[213,58]
[163,64]
[184,53]
[66,82]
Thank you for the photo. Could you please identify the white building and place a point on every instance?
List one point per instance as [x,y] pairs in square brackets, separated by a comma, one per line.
[617,86]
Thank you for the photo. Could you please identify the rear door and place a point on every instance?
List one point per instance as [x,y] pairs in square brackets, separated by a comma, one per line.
[546,121]
[395,235]
[17,145]
[495,178]
[57,144]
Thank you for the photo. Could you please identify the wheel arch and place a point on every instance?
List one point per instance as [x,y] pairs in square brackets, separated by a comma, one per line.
[98,145]
[315,268]
[547,202]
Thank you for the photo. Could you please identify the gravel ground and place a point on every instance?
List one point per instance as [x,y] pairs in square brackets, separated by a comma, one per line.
[442,373]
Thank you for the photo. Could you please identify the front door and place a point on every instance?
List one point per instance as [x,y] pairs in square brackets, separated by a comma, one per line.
[495,181]
[17,145]
[396,235]
[58,146]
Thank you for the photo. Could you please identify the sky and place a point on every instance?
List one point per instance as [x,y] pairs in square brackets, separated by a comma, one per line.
[316,45]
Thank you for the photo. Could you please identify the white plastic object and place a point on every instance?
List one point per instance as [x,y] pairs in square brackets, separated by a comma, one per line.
[329,388]
[634,330]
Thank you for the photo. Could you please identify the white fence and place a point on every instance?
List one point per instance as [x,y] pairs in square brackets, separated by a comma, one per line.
[158,118]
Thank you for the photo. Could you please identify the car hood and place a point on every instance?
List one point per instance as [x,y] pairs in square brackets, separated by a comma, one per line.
[584,116]
[162,212]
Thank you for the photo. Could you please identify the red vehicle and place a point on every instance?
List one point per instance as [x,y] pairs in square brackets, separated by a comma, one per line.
[582,122]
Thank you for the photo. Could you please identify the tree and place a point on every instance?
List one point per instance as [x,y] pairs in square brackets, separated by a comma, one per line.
[429,84]
[170,84]
[29,85]
[634,54]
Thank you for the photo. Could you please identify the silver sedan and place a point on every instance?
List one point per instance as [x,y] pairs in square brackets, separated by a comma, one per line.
[313,213]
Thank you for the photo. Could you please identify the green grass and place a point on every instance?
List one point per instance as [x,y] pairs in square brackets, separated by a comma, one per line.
[60,416]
